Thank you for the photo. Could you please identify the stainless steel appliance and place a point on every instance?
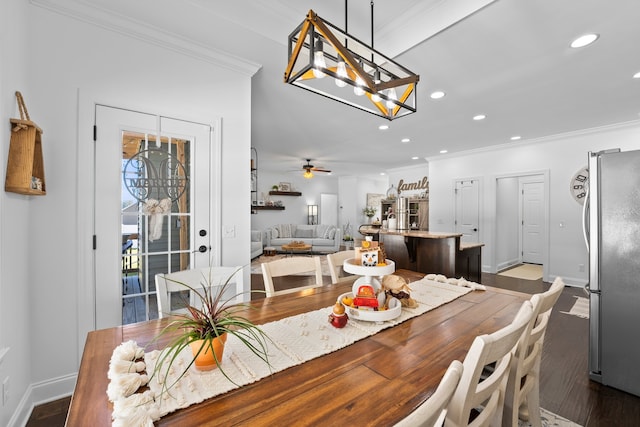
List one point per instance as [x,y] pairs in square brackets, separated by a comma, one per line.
[612,233]
[402,213]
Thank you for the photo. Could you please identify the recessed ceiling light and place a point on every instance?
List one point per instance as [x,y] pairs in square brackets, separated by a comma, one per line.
[415,158]
[515,138]
[479,117]
[437,94]
[383,127]
[405,140]
[637,75]
[584,40]
[443,151]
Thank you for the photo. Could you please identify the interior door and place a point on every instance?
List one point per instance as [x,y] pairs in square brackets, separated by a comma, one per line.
[329,209]
[532,221]
[152,208]
[467,210]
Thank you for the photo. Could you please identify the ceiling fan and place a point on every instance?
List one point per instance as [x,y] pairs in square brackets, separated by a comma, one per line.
[308,168]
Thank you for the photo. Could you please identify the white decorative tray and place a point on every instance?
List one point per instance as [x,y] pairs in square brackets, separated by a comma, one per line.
[394,310]
[352,266]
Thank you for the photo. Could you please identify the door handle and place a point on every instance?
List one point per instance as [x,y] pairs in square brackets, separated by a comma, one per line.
[202,249]
[475,229]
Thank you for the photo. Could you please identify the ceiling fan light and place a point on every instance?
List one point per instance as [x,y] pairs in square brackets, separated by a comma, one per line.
[307,174]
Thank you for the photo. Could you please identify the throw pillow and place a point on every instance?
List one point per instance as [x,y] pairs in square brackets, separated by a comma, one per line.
[286,230]
[327,232]
[332,233]
[274,233]
[320,229]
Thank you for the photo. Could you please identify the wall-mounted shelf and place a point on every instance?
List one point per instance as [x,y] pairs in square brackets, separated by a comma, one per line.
[268,208]
[25,166]
[285,193]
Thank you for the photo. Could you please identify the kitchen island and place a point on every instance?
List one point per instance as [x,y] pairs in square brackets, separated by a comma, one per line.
[433,252]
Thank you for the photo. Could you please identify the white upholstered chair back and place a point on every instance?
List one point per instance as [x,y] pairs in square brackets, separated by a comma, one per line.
[291,266]
[171,283]
[335,262]
[522,397]
[432,412]
[474,391]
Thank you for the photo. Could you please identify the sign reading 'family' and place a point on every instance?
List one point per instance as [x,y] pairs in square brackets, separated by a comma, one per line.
[418,185]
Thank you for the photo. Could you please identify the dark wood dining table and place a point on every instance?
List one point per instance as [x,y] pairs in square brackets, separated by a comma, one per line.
[375,381]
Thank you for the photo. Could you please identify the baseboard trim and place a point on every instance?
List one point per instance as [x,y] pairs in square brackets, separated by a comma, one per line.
[39,393]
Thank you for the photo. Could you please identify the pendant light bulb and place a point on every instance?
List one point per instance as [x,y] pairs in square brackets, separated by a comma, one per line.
[357,89]
[376,79]
[341,72]
[391,94]
[318,60]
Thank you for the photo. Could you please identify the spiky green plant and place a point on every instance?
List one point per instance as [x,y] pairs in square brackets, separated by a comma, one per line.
[216,317]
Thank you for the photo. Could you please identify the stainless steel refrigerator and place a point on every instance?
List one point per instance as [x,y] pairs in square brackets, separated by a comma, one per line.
[612,233]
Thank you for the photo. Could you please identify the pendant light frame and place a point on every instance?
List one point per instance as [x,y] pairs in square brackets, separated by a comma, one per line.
[363,62]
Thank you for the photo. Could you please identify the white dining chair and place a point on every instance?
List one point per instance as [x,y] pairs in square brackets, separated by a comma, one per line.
[485,395]
[522,396]
[335,261]
[168,284]
[288,267]
[433,411]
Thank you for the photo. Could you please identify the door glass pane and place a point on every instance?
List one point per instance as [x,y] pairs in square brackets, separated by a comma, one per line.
[156,217]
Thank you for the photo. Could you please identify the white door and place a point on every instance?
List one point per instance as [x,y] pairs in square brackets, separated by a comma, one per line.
[532,231]
[467,199]
[152,208]
[329,209]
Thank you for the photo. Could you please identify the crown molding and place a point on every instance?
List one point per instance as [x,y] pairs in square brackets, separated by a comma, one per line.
[109,20]
[540,140]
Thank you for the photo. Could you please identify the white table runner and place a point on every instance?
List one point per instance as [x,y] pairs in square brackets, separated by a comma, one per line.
[294,340]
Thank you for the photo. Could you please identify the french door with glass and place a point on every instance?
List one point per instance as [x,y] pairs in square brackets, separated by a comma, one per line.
[152,208]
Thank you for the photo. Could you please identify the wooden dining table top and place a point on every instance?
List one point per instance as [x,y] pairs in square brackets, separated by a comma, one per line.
[375,381]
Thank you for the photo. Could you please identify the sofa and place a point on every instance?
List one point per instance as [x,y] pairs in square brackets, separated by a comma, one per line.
[322,238]
[257,243]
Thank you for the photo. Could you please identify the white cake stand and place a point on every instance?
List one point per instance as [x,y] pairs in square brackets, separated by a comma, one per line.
[369,274]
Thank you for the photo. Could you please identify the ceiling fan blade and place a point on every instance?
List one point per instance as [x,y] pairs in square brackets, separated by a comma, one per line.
[320,170]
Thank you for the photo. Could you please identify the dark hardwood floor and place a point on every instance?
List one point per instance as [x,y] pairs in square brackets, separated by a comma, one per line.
[565,386]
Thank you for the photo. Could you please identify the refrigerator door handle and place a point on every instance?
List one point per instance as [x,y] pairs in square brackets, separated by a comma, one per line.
[585,219]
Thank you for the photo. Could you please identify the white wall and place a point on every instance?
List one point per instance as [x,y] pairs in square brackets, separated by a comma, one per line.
[295,211]
[46,273]
[507,217]
[16,258]
[562,156]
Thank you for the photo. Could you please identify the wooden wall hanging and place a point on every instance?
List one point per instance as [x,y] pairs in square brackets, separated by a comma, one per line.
[25,166]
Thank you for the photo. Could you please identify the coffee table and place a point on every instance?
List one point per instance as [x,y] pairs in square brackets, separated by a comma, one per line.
[294,249]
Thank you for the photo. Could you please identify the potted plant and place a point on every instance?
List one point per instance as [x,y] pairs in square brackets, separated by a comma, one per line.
[205,330]
[369,212]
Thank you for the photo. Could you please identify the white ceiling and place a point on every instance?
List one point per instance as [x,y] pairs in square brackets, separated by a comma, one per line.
[508,59]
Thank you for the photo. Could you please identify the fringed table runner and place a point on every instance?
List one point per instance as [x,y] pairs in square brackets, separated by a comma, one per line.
[292,341]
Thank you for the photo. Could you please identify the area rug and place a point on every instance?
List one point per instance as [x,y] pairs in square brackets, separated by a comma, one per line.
[257,269]
[524,271]
[580,308]
[549,419]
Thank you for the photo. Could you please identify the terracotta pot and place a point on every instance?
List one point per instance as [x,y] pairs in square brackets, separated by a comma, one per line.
[205,360]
